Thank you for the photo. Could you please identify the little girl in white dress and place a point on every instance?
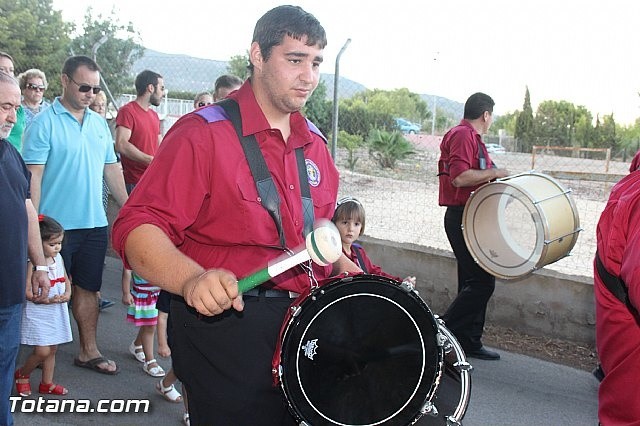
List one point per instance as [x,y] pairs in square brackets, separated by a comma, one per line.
[46,325]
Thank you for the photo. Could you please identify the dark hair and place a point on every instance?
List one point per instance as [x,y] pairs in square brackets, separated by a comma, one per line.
[476,105]
[227,81]
[349,208]
[49,227]
[74,62]
[6,55]
[290,21]
[144,79]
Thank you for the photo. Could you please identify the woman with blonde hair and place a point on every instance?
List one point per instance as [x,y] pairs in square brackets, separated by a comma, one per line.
[33,83]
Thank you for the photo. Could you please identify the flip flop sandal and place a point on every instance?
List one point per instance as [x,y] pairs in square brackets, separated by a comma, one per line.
[52,389]
[92,364]
[24,389]
[137,352]
[156,371]
[185,419]
[169,393]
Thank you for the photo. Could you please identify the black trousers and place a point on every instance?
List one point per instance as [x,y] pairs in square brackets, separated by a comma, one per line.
[465,316]
[225,363]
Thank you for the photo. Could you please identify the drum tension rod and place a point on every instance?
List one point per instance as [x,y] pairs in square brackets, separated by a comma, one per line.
[562,236]
[568,191]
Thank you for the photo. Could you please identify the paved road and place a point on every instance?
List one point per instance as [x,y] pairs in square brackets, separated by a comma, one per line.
[516,390]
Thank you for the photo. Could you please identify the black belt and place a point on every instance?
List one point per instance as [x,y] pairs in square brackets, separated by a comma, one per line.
[269,292]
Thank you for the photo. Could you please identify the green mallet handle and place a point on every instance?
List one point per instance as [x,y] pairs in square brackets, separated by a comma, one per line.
[283,264]
[254,280]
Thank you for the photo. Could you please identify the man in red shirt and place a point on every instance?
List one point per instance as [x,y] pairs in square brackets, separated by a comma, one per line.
[617,319]
[138,127]
[464,166]
[196,223]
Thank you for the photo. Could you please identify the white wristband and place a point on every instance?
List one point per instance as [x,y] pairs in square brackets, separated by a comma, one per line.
[42,268]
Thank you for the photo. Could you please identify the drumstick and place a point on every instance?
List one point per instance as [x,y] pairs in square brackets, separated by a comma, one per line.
[322,245]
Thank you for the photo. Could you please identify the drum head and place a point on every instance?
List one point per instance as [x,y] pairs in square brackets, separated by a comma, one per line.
[362,351]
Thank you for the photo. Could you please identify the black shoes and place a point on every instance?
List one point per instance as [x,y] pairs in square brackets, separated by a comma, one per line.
[105,303]
[598,373]
[483,353]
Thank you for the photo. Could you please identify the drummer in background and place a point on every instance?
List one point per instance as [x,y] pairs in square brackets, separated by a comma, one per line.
[197,223]
[464,166]
[349,218]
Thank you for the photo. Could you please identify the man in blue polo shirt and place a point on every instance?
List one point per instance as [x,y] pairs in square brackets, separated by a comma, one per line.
[68,148]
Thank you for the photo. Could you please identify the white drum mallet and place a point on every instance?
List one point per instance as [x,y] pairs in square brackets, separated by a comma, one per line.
[322,245]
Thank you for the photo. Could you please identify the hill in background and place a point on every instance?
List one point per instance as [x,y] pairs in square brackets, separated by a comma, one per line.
[188,74]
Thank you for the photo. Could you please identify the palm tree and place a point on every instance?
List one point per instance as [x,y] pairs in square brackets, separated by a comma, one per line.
[388,147]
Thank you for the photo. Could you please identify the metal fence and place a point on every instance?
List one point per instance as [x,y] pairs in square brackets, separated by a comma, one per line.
[402,203]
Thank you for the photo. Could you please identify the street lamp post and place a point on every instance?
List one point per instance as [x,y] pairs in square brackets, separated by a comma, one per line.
[94,51]
[97,45]
[336,79]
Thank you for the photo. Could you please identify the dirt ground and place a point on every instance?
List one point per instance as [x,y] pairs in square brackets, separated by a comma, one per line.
[558,351]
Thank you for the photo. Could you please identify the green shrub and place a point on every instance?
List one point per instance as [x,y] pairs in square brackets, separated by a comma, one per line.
[388,147]
[351,143]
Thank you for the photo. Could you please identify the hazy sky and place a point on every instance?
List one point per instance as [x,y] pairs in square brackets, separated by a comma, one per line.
[584,52]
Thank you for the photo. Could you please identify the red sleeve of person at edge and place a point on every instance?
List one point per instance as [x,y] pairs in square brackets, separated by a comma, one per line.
[617,330]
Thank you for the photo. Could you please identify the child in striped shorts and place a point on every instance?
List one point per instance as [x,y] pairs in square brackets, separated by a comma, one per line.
[142,312]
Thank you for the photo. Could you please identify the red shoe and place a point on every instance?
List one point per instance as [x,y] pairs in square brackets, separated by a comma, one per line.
[24,389]
[52,389]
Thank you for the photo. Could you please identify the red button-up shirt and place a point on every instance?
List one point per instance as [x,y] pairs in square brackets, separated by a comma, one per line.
[617,331]
[200,192]
[459,152]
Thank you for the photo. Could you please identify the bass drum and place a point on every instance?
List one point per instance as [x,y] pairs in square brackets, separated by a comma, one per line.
[518,224]
[362,350]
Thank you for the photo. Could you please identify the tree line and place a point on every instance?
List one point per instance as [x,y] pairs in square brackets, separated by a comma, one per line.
[561,123]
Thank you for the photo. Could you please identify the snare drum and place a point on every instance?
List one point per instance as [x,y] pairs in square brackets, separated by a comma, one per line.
[454,390]
[518,224]
[362,350]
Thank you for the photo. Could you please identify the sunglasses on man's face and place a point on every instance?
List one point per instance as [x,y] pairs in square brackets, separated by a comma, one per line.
[36,87]
[84,88]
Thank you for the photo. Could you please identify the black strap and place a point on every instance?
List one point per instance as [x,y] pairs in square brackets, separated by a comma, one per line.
[615,285]
[482,160]
[269,197]
[360,260]
[305,191]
